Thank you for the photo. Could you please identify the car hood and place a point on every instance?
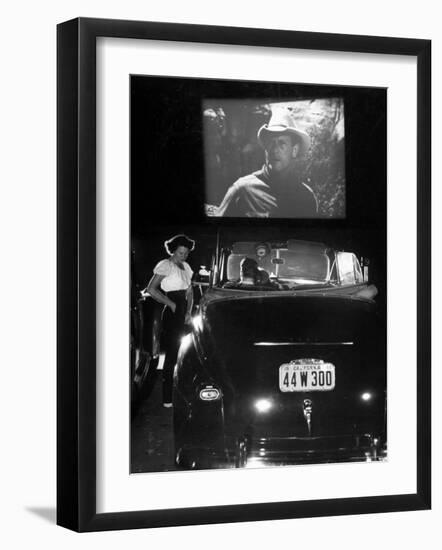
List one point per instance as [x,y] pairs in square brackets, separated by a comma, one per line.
[247,339]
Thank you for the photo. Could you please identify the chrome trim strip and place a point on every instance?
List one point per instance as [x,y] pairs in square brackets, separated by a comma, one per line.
[303,344]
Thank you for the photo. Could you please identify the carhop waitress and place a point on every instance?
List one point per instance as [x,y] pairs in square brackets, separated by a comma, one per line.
[171,285]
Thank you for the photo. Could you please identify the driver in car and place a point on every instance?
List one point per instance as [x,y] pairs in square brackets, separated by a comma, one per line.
[251,276]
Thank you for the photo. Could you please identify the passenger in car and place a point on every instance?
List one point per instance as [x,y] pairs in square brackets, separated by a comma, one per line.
[171,285]
[251,276]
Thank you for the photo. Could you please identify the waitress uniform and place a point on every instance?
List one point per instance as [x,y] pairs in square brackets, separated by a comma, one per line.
[175,283]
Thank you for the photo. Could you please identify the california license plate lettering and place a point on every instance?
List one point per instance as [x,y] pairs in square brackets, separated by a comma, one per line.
[301,376]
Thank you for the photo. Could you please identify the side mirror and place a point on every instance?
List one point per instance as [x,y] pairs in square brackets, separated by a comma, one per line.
[365,262]
[349,269]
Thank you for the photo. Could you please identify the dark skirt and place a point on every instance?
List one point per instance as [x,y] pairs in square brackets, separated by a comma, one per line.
[172,332]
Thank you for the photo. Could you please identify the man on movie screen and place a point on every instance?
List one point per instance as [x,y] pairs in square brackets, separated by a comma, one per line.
[277,189]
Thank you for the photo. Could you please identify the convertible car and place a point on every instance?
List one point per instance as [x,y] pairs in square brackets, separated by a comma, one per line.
[287,368]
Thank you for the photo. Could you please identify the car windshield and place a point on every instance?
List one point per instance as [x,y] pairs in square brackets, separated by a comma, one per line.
[302,267]
[277,268]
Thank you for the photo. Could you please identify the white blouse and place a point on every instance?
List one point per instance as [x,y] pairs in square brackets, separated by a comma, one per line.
[174,277]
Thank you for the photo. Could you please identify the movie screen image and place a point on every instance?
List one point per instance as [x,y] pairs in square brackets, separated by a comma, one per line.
[274,159]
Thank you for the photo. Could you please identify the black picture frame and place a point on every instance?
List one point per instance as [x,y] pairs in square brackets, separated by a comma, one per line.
[77,286]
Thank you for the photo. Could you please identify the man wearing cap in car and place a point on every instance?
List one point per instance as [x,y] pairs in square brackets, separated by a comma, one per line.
[276,190]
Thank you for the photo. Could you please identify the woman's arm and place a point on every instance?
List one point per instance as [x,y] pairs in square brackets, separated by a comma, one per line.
[153,288]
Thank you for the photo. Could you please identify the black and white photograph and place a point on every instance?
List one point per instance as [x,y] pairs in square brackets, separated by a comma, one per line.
[258,274]
[275,160]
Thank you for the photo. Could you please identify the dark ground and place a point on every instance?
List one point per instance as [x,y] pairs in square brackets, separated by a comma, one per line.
[152,447]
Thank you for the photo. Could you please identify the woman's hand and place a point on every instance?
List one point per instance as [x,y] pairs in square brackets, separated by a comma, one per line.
[144,294]
[172,306]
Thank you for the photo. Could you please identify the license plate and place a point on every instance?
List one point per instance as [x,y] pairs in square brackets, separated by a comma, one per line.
[302,375]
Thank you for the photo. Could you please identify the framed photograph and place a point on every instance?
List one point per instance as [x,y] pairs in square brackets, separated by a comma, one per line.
[243,274]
